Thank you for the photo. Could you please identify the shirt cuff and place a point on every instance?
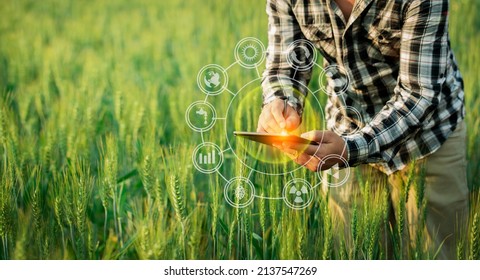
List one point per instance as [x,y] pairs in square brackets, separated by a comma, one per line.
[357,149]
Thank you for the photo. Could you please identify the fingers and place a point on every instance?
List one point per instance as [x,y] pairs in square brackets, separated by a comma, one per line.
[262,125]
[273,120]
[293,154]
[260,128]
[272,125]
[277,113]
[266,128]
[311,162]
[268,120]
[314,155]
[320,136]
[307,149]
[292,119]
[308,161]
[266,124]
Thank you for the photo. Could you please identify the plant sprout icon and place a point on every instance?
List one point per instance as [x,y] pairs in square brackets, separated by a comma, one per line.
[298,193]
[203,113]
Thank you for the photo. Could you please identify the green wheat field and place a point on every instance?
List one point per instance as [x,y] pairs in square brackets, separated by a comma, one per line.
[96,155]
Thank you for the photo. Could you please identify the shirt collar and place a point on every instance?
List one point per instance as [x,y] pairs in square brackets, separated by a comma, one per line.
[358,8]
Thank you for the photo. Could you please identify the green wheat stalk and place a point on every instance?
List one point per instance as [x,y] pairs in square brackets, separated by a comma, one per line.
[475,238]
[178,202]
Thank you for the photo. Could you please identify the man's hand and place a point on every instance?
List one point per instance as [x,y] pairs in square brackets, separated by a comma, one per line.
[311,156]
[273,120]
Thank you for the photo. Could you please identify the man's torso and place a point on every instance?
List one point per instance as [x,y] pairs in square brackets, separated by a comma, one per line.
[367,48]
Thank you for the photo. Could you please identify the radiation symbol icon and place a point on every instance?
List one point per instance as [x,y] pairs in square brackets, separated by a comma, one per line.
[298,193]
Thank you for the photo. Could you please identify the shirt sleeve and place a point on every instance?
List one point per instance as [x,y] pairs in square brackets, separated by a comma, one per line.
[280,78]
[423,63]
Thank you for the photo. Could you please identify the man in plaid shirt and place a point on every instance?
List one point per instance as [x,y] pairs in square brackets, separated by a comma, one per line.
[393,79]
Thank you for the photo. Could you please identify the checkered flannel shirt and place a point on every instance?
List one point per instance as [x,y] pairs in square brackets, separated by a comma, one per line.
[404,80]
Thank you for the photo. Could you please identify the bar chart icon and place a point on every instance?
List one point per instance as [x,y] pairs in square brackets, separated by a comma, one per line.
[208,158]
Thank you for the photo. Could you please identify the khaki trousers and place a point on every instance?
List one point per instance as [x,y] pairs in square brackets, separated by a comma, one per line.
[427,204]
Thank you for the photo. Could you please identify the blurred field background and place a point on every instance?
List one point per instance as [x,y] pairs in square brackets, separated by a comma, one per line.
[95,153]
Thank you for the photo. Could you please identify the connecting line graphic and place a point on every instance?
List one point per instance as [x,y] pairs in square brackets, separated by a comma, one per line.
[231,65]
[201,116]
[267,197]
[250,174]
[221,175]
[295,73]
[231,92]
[258,72]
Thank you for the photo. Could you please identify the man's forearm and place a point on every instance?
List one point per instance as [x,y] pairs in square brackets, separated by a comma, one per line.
[280,78]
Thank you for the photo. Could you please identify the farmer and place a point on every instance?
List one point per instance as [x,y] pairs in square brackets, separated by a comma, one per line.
[391,63]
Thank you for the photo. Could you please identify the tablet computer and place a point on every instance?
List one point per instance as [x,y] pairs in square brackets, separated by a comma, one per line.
[270,139]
